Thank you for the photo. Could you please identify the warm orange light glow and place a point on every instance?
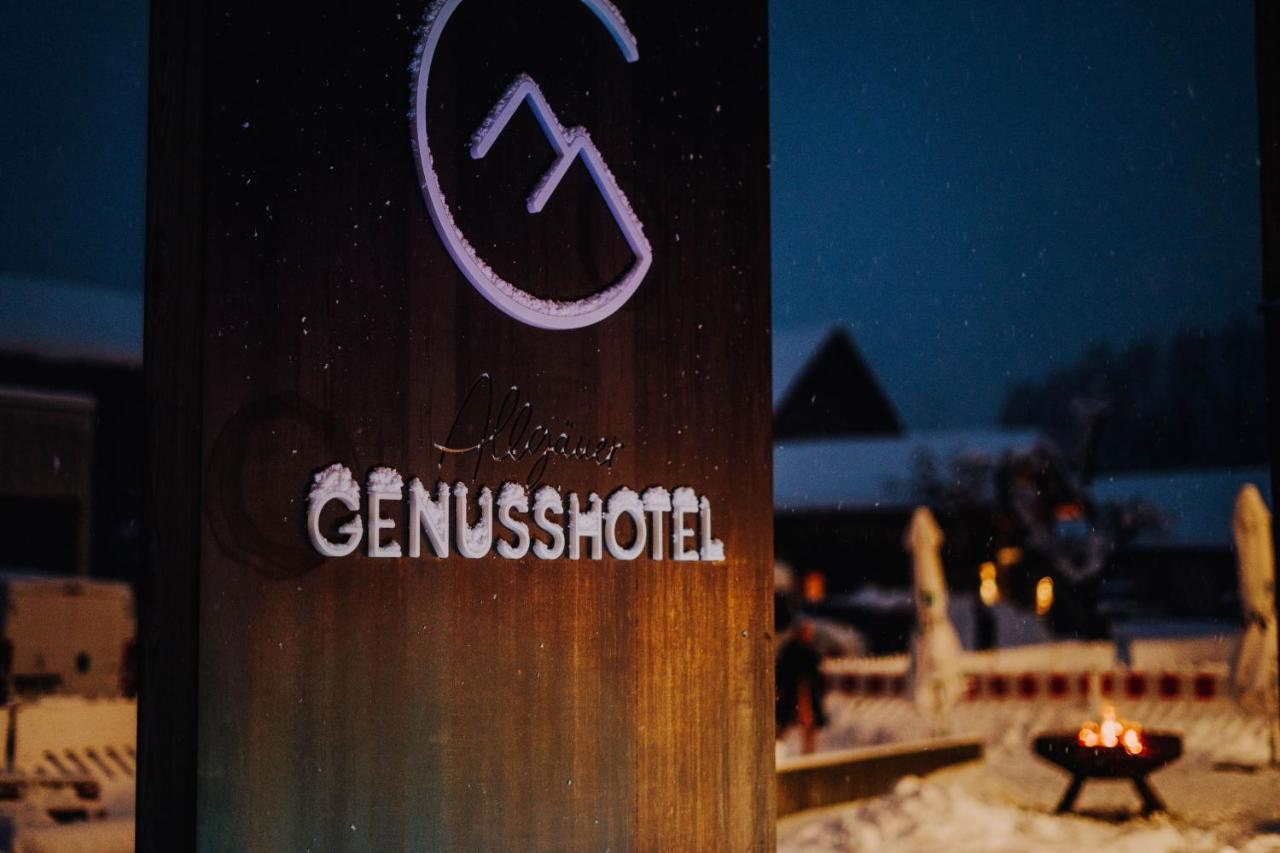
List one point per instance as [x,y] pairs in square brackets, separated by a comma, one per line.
[815,587]
[1044,595]
[1067,512]
[1008,555]
[1111,729]
[1132,741]
[988,589]
[1111,733]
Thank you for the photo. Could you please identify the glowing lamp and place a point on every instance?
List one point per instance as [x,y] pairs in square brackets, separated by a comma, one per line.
[1044,595]
[988,588]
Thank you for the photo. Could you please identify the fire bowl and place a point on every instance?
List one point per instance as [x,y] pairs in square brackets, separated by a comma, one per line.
[1101,762]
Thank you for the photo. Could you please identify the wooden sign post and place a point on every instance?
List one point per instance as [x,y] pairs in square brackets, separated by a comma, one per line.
[460,493]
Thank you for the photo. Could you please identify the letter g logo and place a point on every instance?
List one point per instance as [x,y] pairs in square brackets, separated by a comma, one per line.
[569,144]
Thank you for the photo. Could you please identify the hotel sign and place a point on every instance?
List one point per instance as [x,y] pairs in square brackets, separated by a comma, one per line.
[626,525]
[459,370]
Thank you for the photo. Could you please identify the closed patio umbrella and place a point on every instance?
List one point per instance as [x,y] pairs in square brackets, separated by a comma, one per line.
[937,676]
[1254,670]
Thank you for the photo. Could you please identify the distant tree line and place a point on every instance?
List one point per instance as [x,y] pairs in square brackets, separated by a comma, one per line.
[1193,401]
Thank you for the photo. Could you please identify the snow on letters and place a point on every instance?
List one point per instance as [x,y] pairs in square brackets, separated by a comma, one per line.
[334,484]
[550,526]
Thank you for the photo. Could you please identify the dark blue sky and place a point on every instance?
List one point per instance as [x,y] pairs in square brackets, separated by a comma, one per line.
[978,190]
[73,142]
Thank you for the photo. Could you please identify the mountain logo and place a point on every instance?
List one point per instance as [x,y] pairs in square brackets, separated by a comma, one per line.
[569,144]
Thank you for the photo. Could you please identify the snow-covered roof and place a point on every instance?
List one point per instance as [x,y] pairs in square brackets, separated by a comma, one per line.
[32,399]
[873,597]
[876,473]
[1197,504]
[792,351]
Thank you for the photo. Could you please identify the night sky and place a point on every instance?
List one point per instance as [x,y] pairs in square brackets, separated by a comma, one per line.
[73,142]
[977,190]
[980,189]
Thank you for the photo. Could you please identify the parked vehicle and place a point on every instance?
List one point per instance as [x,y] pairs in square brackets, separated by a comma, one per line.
[65,636]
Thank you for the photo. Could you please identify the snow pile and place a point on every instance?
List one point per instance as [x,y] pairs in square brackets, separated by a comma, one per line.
[684,498]
[335,481]
[656,499]
[928,817]
[513,496]
[624,500]
[107,836]
[382,481]
[547,499]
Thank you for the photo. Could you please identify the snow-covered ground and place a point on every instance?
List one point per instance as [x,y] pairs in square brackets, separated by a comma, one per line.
[61,736]
[1006,802]
[113,835]
[976,810]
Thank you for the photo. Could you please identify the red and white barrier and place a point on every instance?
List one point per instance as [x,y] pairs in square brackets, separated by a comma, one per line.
[888,678]
[1119,684]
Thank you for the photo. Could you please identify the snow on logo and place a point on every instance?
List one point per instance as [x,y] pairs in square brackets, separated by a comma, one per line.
[570,144]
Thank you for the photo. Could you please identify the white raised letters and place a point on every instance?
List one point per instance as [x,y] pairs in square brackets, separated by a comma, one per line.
[540,527]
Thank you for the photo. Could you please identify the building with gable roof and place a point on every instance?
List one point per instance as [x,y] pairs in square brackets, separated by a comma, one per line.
[848,473]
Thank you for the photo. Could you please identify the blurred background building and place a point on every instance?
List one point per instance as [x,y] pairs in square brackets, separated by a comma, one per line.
[1131,542]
